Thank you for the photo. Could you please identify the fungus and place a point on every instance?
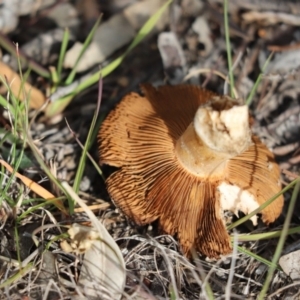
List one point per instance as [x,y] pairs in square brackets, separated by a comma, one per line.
[184,156]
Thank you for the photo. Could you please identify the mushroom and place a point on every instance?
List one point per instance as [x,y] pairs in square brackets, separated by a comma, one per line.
[184,156]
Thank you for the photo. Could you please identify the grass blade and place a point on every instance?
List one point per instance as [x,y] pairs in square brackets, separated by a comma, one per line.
[62,53]
[280,242]
[11,48]
[266,235]
[258,80]
[87,145]
[59,105]
[257,257]
[228,48]
[86,43]
[259,209]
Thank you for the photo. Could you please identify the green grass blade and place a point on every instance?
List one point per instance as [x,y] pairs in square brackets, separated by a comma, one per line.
[100,119]
[45,168]
[264,205]
[36,207]
[11,48]
[280,242]
[265,235]
[17,276]
[258,80]
[62,236]
[86,43]
[228,48]
[81,165]
[143,32]
[17,240]
[18,109]
[7,136]
[257,257]
[54,76]
[62,52]
[59,105]
[3,102]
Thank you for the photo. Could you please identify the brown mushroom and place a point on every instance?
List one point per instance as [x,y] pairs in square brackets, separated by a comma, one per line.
[185,155]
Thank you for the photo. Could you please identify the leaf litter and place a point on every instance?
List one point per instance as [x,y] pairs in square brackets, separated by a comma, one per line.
[154,264]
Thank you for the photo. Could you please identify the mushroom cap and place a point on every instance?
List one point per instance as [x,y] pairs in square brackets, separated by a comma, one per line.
[168,170]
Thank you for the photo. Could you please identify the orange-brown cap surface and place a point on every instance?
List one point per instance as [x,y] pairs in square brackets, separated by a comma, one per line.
[184,156]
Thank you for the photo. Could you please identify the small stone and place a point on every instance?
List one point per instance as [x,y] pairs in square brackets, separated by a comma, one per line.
[85,184]
[290,264]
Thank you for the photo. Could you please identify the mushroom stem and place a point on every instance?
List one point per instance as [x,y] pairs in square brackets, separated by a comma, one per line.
[219,132]
[197,158]
[223,125]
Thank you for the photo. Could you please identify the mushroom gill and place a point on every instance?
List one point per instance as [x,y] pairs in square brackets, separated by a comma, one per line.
[184,155]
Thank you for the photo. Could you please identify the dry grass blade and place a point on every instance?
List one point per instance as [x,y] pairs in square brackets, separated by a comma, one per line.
[103,270]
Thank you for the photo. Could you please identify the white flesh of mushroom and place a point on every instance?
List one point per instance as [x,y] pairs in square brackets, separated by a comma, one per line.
[235,199]
[227,130]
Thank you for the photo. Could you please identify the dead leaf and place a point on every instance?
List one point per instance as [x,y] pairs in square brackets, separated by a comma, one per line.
[36,97]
